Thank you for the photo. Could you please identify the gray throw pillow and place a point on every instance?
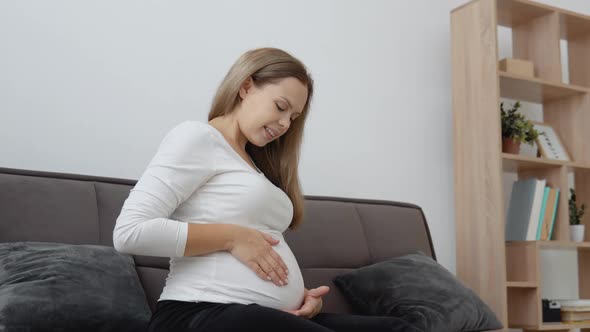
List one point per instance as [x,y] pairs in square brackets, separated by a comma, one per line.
[417,289]
[62,287]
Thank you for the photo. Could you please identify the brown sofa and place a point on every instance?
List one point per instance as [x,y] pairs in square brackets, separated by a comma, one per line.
[338,235]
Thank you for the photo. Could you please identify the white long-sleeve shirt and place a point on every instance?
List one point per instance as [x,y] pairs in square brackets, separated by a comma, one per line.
[197,177]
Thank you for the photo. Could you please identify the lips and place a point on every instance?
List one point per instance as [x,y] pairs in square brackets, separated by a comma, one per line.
[271,133]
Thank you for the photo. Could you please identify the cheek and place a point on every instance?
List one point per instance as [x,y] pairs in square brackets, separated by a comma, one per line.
[258,110]
[257,114]
[256,127]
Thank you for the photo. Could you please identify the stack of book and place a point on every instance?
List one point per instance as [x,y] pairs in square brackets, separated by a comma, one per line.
[532,210]
[575,311]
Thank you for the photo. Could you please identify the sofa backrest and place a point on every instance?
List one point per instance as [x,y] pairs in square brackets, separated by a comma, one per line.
[338,234]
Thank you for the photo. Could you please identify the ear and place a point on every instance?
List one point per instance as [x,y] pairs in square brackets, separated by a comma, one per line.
[245,87]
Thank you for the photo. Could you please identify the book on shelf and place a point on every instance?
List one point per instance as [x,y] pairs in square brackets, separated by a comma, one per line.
[532,210]
[579,305]
[575,311]
[542,213]
[550,214]
[575,316]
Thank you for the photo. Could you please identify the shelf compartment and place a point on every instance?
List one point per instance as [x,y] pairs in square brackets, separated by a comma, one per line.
[513,13]
[584,273]
[582,187]
[524,307]
[556,177]
[522,262]
[573,25]
[570,117]
[575,28]
[535,90]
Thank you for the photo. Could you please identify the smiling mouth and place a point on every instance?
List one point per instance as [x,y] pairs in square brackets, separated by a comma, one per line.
[269,133]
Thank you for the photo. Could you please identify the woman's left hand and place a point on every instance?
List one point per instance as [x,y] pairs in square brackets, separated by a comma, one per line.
[312,302]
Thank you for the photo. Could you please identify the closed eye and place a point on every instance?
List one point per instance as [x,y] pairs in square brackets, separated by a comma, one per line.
[282,110]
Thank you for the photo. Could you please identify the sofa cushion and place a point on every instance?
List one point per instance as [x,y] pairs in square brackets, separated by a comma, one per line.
[416,288]
[62,287]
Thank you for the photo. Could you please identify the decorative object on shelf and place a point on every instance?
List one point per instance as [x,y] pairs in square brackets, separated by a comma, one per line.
[576,230]
[517,67]
[551,311]
[516,129]
[527,150]
[550,146]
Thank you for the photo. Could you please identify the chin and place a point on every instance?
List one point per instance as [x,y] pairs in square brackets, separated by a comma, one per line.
[258,144]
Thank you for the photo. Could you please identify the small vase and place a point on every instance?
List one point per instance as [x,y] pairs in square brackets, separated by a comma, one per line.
[510,145]
[577,233]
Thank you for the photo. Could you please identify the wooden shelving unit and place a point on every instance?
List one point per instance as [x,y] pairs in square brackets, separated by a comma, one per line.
[506,275]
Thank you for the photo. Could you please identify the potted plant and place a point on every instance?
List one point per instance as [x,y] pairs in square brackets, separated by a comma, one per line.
[576,230]
[516,129]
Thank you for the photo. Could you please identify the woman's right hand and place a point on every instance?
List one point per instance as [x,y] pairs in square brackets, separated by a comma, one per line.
[254,248]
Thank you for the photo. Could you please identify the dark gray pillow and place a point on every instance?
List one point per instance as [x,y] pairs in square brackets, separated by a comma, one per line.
[417,289]
[62,287]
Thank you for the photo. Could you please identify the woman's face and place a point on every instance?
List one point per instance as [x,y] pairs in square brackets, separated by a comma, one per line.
[266,113]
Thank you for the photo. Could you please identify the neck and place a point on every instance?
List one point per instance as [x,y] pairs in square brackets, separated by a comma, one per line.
[228,126]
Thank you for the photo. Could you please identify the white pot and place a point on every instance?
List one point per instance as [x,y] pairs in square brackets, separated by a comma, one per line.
[577,233]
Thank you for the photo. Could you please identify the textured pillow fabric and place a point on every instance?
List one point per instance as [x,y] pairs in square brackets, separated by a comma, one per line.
[417,289]
[62,287]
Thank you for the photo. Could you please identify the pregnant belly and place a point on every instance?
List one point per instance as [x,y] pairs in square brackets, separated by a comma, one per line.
[235,279]
[220,277]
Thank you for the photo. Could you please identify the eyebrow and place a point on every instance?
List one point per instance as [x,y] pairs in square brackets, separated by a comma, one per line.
[290,106]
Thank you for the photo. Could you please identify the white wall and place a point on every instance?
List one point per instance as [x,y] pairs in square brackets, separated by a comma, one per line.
[92,87]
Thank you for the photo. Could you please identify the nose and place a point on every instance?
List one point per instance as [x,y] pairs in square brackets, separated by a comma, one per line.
[285,122]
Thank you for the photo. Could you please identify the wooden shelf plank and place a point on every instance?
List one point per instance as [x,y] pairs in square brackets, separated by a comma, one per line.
[552,244]
[564,244]
[521,284]
[514,163]
[535,90]
[581,166]
[552,326]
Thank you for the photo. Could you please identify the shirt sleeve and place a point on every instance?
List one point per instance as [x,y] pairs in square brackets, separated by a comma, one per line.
[183,162]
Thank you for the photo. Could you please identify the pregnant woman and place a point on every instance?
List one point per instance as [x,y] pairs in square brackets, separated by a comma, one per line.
[216,199]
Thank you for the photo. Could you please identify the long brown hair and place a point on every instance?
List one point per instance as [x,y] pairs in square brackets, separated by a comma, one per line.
[279,159]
